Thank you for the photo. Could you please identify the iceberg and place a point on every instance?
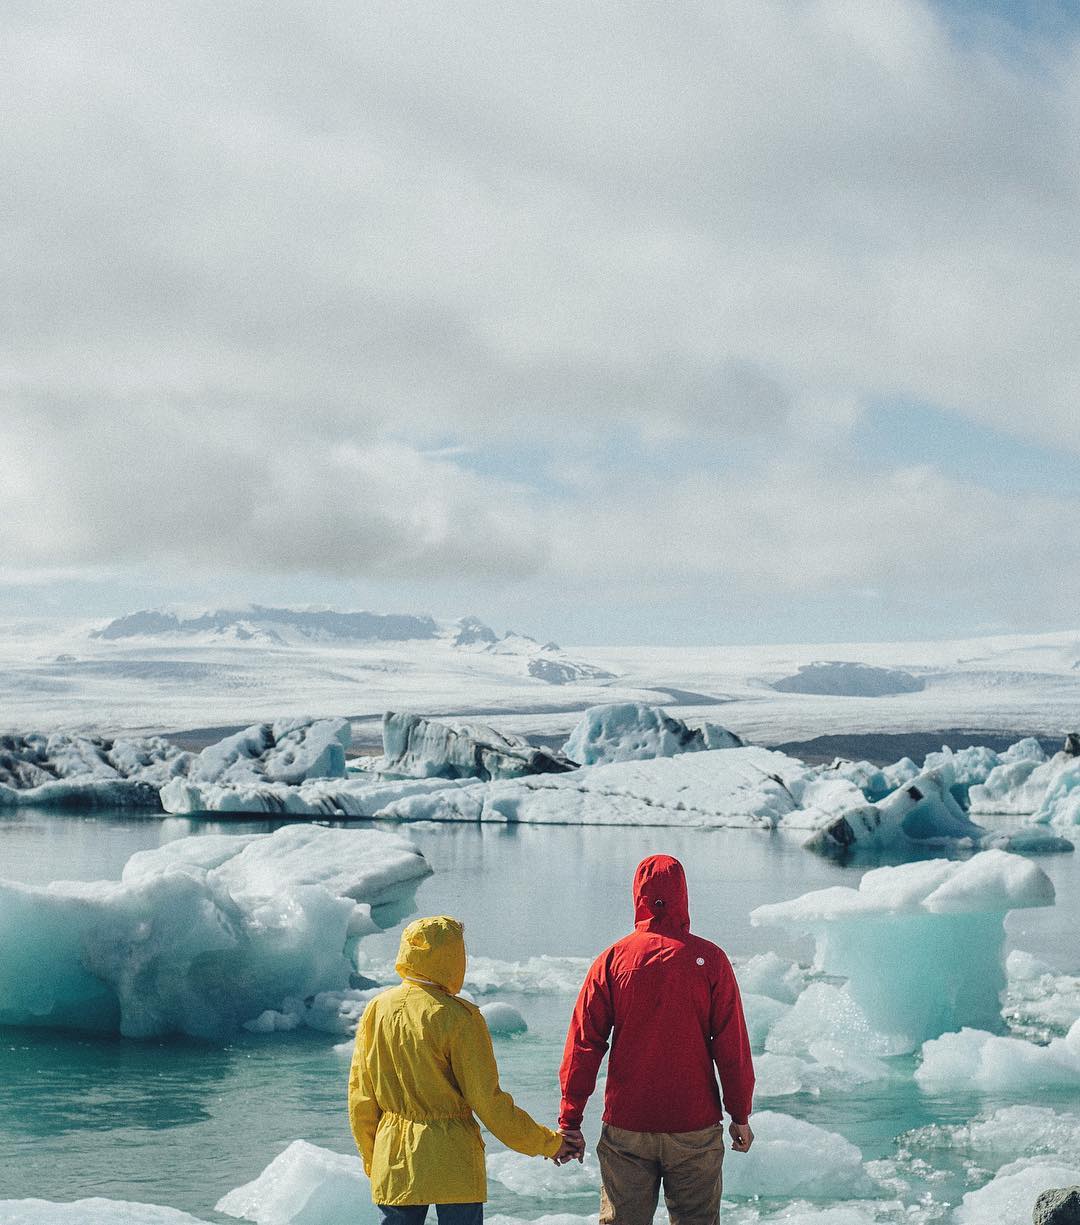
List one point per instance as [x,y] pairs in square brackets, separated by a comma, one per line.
[202,934]
[423,748]
[83,772]
[919,945]
[336,799]
[1025,782]
[288,751]
[748,787]
[921,811]
[305,1185]
[634,731]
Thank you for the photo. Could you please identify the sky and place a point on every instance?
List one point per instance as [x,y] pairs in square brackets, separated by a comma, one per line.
[649,321]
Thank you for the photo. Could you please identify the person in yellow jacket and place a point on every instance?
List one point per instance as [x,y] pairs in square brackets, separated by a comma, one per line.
[423,1071]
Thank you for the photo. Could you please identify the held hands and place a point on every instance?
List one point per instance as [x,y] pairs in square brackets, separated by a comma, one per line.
[572,1148]
[741,1137]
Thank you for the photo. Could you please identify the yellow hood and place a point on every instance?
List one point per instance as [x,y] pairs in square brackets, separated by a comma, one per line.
[434,949]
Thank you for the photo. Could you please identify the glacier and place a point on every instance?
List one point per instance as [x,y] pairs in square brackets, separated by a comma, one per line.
[202,934]
[938,925]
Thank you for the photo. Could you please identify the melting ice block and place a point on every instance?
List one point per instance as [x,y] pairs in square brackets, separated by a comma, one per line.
[634,731]
[920,945]
[202,934]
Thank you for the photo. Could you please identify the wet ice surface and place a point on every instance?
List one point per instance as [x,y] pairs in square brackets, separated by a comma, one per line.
[183,1124]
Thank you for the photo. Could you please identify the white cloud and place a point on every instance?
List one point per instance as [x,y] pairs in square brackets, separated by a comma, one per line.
[211,494]
[275,277]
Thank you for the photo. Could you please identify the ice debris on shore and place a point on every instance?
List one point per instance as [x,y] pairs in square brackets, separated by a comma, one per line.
[635,731]
[202,934]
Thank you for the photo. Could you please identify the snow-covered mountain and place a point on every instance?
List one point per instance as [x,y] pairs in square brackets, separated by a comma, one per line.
[259,624]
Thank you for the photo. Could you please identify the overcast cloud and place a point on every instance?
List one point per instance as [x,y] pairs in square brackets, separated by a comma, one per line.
[555,303]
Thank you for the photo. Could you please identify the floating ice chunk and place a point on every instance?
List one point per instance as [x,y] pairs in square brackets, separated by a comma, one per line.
[91,1212]
[922,811]
[1022,785]
[769,974]
[762,1013]
[287,751]
[544,975]
[634,731]
[542,1180]
[1030,1131]
[920,945]
[1039,1002]
[749,787]
[791,1158]
[357,796]
[86,771]
[201,934]
[1027,840]
[1061,804]
[972,766]
[423,748]
[976,1059]
[305,1185]
[1010,1197]
[504,1019]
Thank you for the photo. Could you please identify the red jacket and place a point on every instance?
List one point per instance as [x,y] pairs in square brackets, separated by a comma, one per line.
[674,1005]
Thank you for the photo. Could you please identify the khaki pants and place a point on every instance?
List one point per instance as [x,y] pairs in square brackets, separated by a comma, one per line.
[634,1164]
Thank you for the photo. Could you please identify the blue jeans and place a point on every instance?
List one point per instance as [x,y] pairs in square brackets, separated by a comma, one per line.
[449,1214]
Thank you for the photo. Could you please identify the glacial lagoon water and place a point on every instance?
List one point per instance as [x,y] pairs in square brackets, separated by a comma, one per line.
[181,1123]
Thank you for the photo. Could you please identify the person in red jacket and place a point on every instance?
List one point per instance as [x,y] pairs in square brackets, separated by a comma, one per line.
[672,1001]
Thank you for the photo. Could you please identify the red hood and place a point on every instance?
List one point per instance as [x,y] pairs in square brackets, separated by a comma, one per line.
[660,899]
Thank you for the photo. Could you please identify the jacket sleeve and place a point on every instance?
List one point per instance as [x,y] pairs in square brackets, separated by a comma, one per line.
[586,1044]
[472,1060]
[730,1045]
[364,1110]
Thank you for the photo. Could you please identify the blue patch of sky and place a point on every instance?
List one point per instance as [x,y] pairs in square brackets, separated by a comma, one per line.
[1018,30]
[903,433]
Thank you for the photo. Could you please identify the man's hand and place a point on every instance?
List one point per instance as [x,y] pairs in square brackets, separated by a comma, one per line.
[573,1146]
[741,1137]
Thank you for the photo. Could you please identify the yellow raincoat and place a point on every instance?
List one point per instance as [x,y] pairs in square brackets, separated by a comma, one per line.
[422,1067]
